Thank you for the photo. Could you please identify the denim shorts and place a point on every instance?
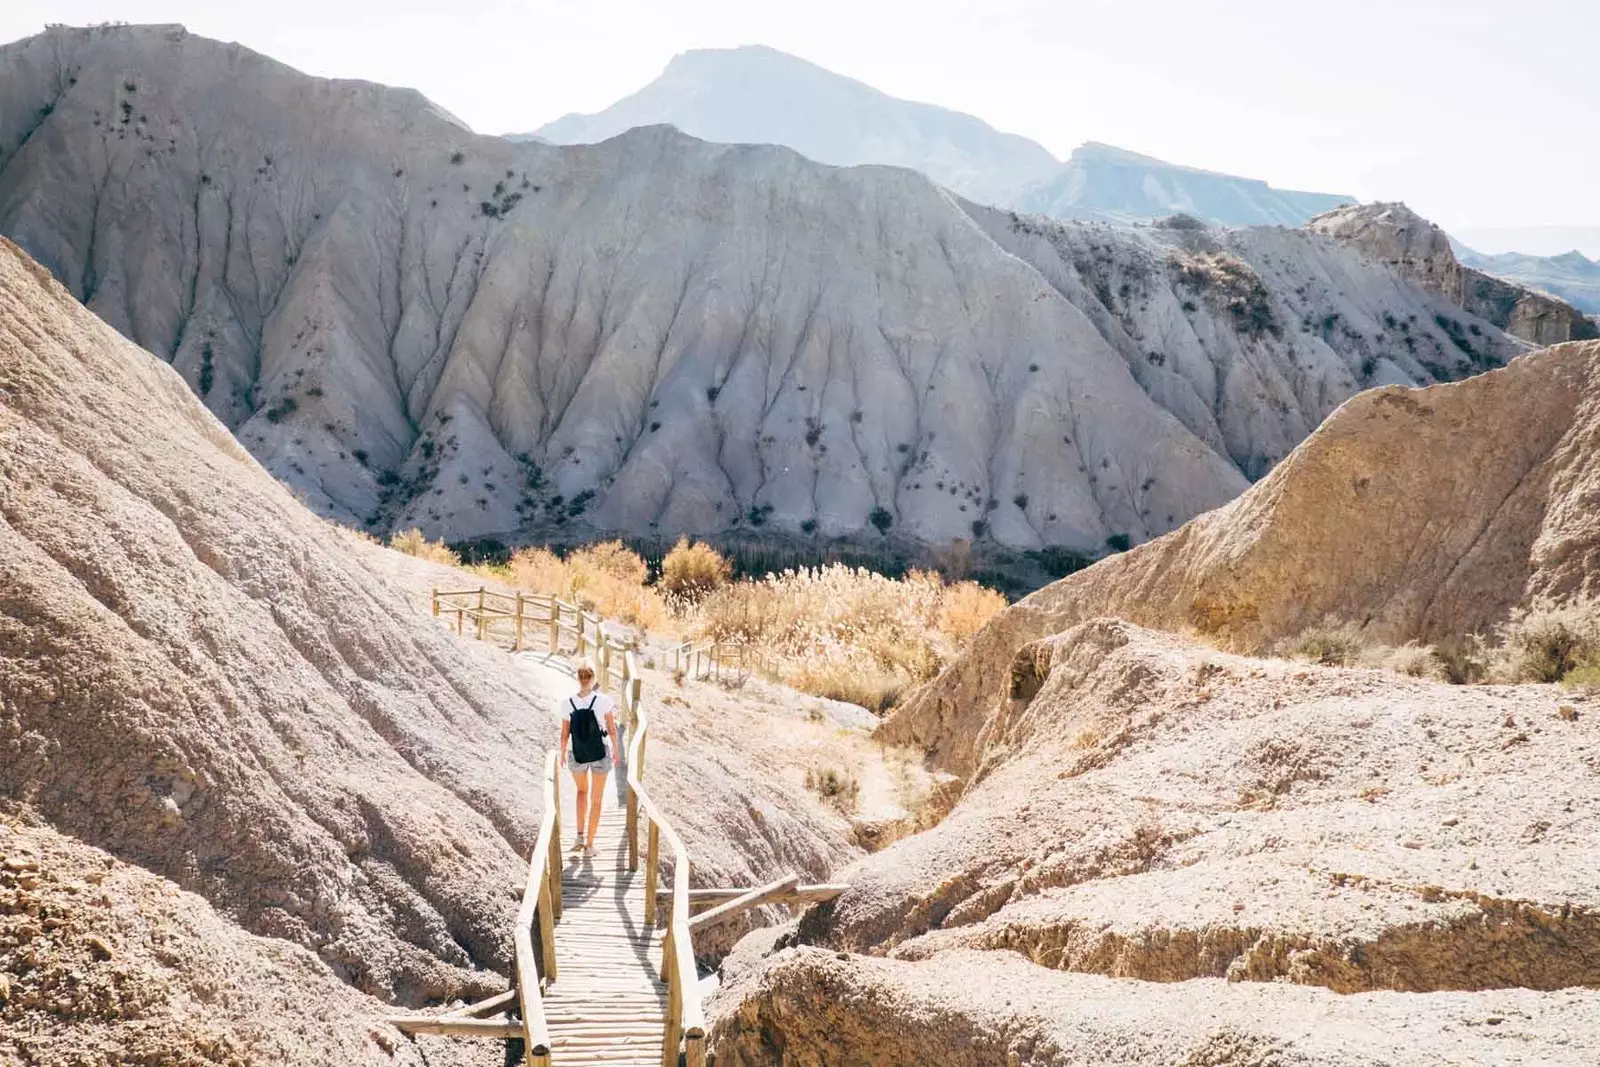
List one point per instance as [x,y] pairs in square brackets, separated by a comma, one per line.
[599,766]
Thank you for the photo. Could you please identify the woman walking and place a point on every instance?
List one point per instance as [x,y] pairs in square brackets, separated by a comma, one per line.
[590,756]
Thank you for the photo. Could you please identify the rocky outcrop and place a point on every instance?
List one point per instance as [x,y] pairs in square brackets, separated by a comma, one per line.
[1401,514]
[1421,252]
[411,325]
[1212,832]
[810,1008]
[103,962]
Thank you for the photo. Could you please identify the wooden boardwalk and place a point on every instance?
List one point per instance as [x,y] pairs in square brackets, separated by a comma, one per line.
[596,983]
[608,1004]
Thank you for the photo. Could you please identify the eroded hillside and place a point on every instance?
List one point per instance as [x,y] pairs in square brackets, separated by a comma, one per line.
[1167,854]
[413,325]
[1416,515]
[200,678]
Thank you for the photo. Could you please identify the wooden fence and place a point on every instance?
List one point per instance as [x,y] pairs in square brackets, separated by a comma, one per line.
[534,617]
[715,659]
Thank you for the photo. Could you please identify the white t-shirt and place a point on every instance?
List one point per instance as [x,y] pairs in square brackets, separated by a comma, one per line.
[603,705]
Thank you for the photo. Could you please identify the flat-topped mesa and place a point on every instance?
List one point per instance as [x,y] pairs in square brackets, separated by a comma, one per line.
[1420,251]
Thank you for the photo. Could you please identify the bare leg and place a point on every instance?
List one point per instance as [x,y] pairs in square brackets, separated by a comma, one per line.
[597,797]
[580,782]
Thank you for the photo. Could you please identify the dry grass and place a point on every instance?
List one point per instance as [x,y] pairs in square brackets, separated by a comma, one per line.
[412,543]
[846,633]
[1585,680]
[693,570]
[1548,643]
[607,578]
[839,788]
[1329,643]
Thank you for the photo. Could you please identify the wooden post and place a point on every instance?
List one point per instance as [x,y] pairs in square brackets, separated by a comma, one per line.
[668,950]
[580,633]
[555,626]
[633,831]
[651,864]
[461,616]
[554,860]
[547,931]
[674,1031]
[436,602]
[694,1049]
[518,646]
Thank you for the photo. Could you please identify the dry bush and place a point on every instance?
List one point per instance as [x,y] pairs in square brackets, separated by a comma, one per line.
[966,608]
[692,570]
[1414,660]
[412,543]
[846,633]
[839,788]
[606,578]
[1329,643]
[875,690]
[1584,679]
[1463,660]
[1546,643]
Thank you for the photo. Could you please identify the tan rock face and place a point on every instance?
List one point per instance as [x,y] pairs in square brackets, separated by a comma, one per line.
[809,1008]
[1421,252]
[1212,831]
[1401,513]
[103,962]
[414,325]
[194,677]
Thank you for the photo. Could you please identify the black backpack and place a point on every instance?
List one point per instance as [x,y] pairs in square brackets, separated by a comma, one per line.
[588,739]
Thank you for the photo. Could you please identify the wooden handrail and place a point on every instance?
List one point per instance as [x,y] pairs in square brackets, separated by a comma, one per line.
[485,607]
[685,1025]
[544,866]
[685,1017]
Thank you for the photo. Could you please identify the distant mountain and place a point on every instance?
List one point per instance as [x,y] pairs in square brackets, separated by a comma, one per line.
[758,95]
[1531,240]
[1572,276]
[1114,185]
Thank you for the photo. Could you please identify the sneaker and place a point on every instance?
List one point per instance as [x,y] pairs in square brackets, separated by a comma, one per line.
[577,846]
[589,852]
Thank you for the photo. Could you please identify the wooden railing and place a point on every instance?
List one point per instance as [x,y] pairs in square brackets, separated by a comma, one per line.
[541,905]
[564,626]
[686,1023]
[535,966]
[712,659]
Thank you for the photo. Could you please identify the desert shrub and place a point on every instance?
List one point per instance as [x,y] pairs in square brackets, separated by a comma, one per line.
[1548,642]
[1414,660]
[838,787]
[1462,660]
[965,608]
[692,570]
[1329,643]
[608,578]
[847,633]
[1585,679]
[412,543]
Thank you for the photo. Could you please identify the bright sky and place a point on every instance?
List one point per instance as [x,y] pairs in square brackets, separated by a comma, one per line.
[1476,113]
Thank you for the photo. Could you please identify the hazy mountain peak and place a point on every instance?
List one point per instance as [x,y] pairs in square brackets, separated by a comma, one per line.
[757,94]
